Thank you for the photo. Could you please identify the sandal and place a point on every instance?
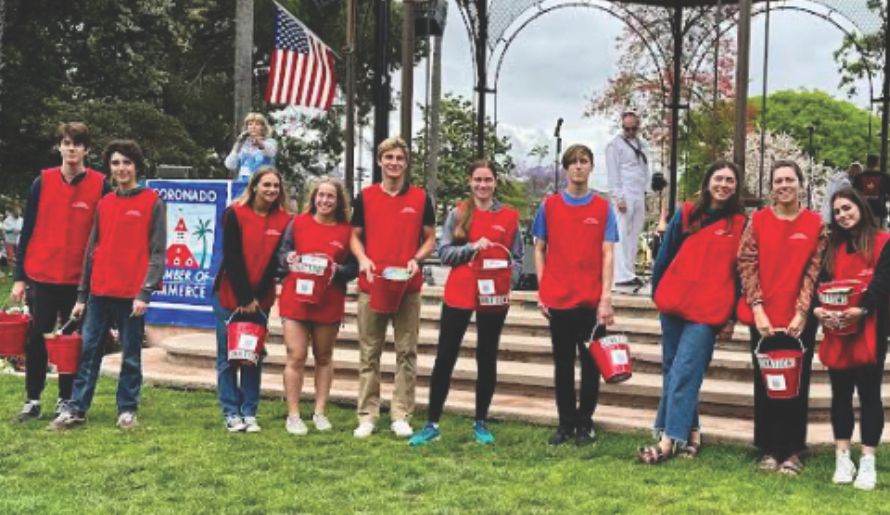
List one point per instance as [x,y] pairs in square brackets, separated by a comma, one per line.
[653,455]
[691,449]
[791,467]
[768,463]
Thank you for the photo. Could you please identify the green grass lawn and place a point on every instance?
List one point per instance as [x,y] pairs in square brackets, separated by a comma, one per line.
[181,460]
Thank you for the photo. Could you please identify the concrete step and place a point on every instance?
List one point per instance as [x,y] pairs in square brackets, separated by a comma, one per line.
[719,397]
[159,371]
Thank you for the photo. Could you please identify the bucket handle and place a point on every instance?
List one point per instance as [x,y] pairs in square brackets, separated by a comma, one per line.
[259,311]
[499,246]
[783,330]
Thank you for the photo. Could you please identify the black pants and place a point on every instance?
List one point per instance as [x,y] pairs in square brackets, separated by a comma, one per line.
[867,382]
[49,304]
[780,425]
[453,326]
[569,329]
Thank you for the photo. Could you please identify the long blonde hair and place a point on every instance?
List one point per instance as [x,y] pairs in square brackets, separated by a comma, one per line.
[342,209]
[248,196]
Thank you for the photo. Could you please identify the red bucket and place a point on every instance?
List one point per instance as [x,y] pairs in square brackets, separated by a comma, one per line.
[493,270]
[63,351]
[312,274]
[13,333]
[781,369]
[387,290]
[612,356]
[246,339]
[836,296]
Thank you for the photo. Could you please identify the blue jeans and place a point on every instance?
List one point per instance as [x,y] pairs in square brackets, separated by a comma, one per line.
[236,400]
[686,350]
[100,313]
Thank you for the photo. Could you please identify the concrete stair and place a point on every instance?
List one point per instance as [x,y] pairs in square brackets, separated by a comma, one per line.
[525,370]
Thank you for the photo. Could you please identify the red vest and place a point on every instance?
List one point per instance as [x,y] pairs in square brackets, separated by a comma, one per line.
[392,231]
[840,352]
[499,227]
[65,215]
[311,237]
[120,258]
[573,265]
[784,249]
[260,236]
[699,284]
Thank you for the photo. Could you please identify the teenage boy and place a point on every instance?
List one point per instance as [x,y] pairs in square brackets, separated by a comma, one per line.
[393,225]
[58,218]
[575,233]
[123,264]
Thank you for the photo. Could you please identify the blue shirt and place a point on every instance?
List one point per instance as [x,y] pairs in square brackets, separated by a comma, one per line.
[539,226]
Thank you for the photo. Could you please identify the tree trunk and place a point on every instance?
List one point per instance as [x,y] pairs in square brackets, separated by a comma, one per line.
[243,60]
[432,169]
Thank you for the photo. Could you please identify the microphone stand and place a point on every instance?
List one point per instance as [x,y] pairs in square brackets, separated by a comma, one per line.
[556,134]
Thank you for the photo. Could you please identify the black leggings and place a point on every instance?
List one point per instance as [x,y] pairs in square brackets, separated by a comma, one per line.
[867,382]
[453,326]
[569,329]
[49,304]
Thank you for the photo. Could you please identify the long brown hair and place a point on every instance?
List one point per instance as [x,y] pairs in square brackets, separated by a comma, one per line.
[733,204]
[465,208]
[340,212]
[248,196]
[862,235]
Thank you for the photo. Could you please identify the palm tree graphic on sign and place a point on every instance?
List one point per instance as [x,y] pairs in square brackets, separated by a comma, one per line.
[201,232]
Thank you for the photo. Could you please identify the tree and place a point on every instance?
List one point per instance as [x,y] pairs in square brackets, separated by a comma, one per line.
[645,66]
[457,149]
[861,54]
[841,128]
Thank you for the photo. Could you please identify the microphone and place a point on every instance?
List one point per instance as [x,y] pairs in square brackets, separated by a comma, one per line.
[558,127]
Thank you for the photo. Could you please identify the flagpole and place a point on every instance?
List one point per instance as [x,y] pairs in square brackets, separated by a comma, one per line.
[349,172]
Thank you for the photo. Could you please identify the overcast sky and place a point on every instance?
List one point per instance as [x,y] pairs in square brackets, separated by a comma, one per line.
[561,58]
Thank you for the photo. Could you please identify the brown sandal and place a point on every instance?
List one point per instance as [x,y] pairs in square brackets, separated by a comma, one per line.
[768,463]
[791,467]
[691,449]
[653,455]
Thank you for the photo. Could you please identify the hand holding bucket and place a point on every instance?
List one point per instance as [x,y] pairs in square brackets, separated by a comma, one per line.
[14,324]
[781,369]
[493,271]
[836,297]
[246,338]
[388,288]
[611,354]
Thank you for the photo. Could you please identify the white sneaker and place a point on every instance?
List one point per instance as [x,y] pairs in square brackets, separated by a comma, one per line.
[401,428]
[127,421]
[363,430]
[234,424]
[868,476]
[251,425]
[321,422]
[844,469]
[295,426]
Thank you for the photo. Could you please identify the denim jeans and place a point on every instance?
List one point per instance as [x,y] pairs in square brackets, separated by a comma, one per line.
[100,312]
[686,350]
[234,398]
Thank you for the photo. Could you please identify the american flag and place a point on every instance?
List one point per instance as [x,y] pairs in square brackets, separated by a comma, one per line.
[302,67]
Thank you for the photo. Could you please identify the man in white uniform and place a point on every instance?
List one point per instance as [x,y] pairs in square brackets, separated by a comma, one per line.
[628,169]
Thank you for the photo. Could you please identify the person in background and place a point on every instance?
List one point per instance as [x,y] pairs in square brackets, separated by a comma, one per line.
[575,233]
[874,187]
[394,225]
[12,229]
[837,181]
[253,148]
[779,261]
[694,289]
[627,164]
[122,266]
[59,215]
[245,284]
[857,249]
[323,230]
[475,224]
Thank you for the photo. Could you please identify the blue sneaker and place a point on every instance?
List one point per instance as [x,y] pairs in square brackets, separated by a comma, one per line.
[482,434]
[429,433]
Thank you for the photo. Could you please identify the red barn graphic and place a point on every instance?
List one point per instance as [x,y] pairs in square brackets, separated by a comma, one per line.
[178,253]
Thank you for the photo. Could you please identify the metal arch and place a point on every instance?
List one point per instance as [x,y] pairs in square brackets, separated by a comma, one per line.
[542,11]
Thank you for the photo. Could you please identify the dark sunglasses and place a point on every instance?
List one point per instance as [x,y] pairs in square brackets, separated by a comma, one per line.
[631,128]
